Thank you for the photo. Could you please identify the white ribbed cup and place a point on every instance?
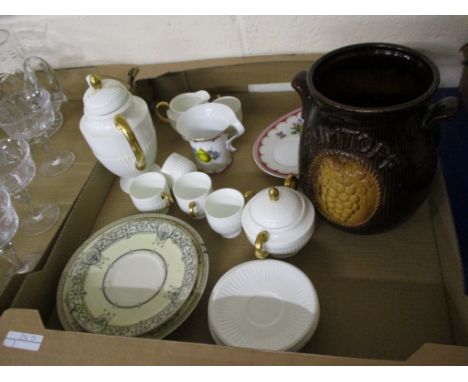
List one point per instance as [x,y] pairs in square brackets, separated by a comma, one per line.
[223,209]
[175,166]
[191,189]
[148,191]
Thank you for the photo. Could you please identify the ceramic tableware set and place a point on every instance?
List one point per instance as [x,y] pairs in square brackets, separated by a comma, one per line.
[144,274]
[209,127]
[268,304]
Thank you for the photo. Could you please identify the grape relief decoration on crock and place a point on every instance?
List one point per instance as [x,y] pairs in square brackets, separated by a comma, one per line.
[93,257]
[346,189]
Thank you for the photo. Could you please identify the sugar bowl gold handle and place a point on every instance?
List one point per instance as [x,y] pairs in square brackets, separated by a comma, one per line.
[260,253]
[291,182]
[122,125]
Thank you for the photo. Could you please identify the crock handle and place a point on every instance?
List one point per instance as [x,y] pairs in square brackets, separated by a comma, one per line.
[299,83]
[442,110]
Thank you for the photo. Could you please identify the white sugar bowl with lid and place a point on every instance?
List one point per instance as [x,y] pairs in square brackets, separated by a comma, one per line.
[278,221]
[118,128]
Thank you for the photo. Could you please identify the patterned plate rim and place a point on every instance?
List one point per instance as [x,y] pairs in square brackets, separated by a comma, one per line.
[256,148]
[202,270]
[194,298]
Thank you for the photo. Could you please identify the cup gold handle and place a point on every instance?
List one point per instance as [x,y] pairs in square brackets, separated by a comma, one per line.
[167,197]
[248,194]
[260,253]
[122,125]
[192,209]
[159,115]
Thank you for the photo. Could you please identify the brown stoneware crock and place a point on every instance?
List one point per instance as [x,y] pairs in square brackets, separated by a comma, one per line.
[368,149]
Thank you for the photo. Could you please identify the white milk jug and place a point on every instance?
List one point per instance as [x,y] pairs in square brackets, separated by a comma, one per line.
[118,128]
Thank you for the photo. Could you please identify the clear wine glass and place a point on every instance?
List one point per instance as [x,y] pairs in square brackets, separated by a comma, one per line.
[15,70]
[17,169]
[8,228]
[11,63]
[27,114]
[52,86]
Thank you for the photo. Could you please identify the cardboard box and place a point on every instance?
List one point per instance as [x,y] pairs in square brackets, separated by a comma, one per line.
[394,298]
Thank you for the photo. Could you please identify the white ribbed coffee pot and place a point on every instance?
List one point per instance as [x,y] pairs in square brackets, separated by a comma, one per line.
[118,128]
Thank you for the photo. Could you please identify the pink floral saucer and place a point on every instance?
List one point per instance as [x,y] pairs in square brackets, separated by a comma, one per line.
[276,150]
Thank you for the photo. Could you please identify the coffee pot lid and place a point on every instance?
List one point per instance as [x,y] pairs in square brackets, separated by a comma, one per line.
[276,207]
[104,96]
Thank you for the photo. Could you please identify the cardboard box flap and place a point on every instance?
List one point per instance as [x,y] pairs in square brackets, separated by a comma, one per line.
[59,348]
[74,84]
[224,76]
[436,354]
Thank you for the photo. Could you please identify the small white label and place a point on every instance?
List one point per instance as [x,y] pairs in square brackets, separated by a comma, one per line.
[20,340]
[270,88]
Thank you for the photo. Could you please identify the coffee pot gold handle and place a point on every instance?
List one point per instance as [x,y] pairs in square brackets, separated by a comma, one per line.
[123,126]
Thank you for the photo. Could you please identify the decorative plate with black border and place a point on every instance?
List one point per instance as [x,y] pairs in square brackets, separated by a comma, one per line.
[132,277]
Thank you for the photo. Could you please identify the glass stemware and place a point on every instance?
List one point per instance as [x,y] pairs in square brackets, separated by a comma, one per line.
[17,169]
[11,64]
[8,228]
[53,87]
[27,114]
[16,72]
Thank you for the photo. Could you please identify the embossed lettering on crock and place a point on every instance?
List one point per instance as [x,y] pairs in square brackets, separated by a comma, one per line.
[359,140]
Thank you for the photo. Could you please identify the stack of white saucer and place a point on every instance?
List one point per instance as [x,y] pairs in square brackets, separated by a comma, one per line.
[265,305]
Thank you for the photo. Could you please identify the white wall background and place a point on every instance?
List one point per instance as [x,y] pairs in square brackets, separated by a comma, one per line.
[70,41]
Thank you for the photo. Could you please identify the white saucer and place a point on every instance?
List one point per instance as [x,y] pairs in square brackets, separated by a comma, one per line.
[263,304]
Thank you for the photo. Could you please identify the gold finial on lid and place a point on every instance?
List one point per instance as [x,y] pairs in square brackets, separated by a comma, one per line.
[94,81]
[274,194]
